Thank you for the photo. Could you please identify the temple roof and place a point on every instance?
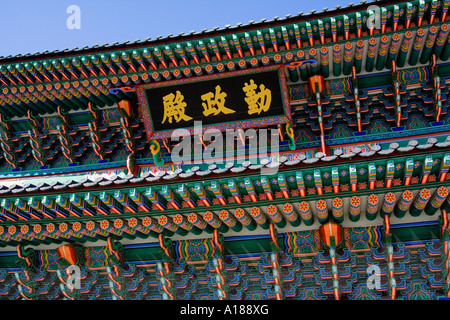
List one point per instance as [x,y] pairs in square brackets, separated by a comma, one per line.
[73,78]
[186,173]
[216,31]
[360,178]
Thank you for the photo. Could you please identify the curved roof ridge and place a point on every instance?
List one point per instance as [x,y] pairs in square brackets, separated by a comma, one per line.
[127,44]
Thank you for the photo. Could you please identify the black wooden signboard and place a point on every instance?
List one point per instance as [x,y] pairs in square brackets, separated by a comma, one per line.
[240,99]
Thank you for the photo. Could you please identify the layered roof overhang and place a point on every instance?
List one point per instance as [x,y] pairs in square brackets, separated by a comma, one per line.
[409,32]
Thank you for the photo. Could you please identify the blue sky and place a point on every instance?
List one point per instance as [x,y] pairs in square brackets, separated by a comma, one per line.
[35,26]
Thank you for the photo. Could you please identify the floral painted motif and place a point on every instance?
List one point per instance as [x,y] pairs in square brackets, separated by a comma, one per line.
[118,223]
[239,213]
[178,218]
[90,225]
[224,215]
[337,202]
[355,201]
[373,199]
[133,222]
[192,218]
[37,228]
[12,230]
[362,185]
[63,227]
[271,209]
[147,221]
[442,191]
[208,215]
[50,227]
[254,211]
[425,193]
[379,184]
[321,205]
[408,195]
[390,197]
[24,229]
[163,220]
[287,208]
[76,226]
[304,206]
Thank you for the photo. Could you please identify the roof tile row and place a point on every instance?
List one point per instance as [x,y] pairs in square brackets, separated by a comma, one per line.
[213,169]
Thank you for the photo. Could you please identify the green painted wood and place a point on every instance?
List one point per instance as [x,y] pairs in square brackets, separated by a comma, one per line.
[419,233]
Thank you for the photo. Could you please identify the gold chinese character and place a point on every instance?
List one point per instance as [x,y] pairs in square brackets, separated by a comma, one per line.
[174,108]
[215,103]
[257,101]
